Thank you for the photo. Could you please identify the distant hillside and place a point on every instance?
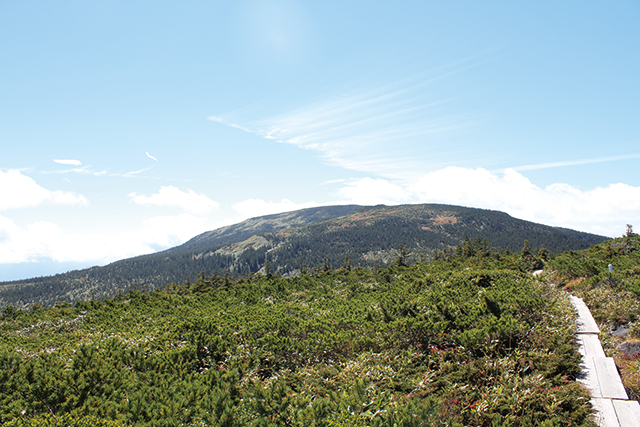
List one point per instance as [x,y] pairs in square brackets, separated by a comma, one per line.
[325,236]
[263,224]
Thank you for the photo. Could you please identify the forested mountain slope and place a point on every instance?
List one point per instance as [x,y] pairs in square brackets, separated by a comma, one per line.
[292,242]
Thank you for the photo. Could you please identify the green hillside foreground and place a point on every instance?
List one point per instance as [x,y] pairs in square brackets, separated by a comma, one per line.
[471,340]
[612,297]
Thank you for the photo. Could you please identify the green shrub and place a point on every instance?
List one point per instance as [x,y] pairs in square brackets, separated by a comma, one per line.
[65,420]
[427,344]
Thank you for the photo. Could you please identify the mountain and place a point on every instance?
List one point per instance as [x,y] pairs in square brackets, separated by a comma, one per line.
[368,236]
[263,224]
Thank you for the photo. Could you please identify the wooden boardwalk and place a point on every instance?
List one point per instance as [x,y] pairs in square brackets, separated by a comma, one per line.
[600,375]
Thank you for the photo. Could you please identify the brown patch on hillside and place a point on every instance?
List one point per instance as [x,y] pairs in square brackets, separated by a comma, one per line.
[425,228]
[441,219]
[368,218]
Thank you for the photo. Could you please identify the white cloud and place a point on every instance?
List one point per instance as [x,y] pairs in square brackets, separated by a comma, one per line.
[475,187]
[189,200]
[46,240]
[369,191]
[168,231]
[603,210]
[23,244]
[68,162]
[150,156]
[251,208]
[19,191]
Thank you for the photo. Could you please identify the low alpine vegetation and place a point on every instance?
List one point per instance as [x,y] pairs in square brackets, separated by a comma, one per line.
[470,339]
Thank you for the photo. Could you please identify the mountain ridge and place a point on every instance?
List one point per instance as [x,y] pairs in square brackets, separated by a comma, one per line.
[368,236]
[262,224]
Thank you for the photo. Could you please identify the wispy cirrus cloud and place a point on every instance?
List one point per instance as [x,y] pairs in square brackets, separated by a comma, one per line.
[129,174]
[89,170]
[372,130]
[80,169]
[68,162]
[566,163]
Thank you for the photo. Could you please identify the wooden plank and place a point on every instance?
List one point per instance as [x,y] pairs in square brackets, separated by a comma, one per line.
[581,347]
[585,322]
[600,375]
[628,412]
[590,345]
[605,413]
[589,378]
[611,386]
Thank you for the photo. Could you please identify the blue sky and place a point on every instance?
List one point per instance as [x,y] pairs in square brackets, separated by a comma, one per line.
[130,127]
